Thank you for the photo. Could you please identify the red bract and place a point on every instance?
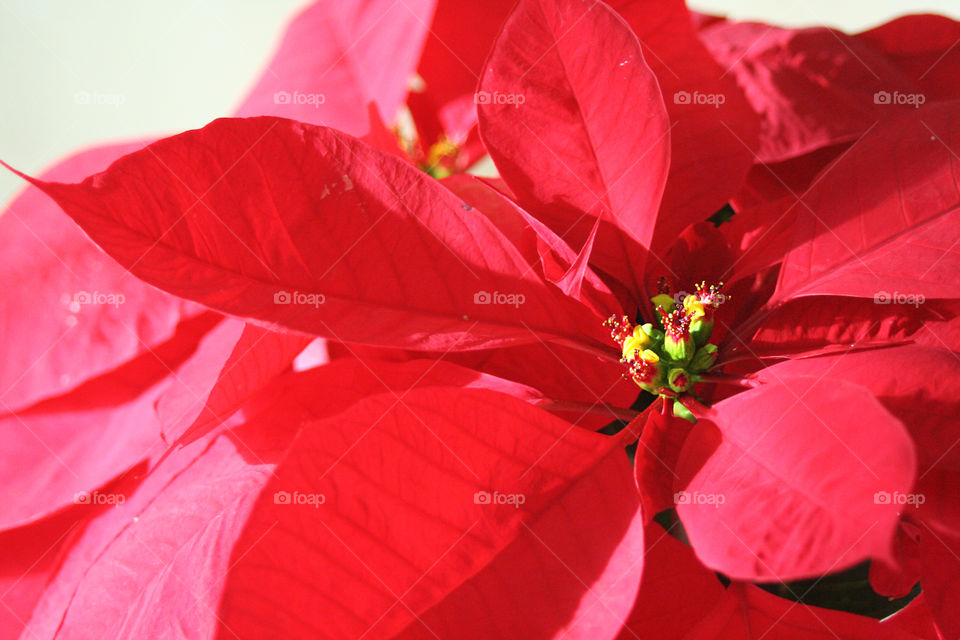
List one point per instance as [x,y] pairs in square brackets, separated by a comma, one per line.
[680,599]
[412,482]
[335,58]
[69,314]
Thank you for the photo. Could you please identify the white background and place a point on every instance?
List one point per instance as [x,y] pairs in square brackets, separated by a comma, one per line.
[178,64]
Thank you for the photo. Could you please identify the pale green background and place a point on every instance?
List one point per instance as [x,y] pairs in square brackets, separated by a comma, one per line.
[178,64]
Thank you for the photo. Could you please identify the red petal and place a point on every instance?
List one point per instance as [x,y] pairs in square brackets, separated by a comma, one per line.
[920,386]
[916,619]
[52,343]
[676,590]
[157,561]
[304,227]
[79,441]
[882,217]
[896,581]
[548,254]
[679,598]
[924,47]
[561,374]
[451,65]
[789,491]
[336,57]
[940,566]
[805,324]
[655,464]
[750,613]
[575,122]
[712,144]
[790,74]
[30,558]
[401,534]
[231,363]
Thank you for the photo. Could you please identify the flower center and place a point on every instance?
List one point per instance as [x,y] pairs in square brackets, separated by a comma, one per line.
[668,358]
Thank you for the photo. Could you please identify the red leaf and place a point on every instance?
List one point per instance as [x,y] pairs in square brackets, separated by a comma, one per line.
[69,313]
[79,441]
[805,324]
[451,65]
[916,619]
[154,564]
[750,613]
[940,566]
[882,216]
[790,490]
[790,74]
[713,129]
[920,386]
[676,590]
[344,382]
[575,122]
[30,558]
[230,365]
[897,580]
[548,254]
[336,57]
[923,47]
[655,464]
[680,598]
[401,533]
[560,374]
[303,227]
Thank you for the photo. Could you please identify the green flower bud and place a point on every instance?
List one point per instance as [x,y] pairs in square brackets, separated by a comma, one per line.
[664,301]
[678,344]
[679,380]
[704,358]
[681,411]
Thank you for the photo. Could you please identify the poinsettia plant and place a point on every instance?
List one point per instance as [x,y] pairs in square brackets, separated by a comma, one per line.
[690,355]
